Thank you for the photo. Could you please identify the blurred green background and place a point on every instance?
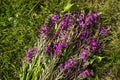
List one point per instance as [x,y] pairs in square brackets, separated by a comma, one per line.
[20,21]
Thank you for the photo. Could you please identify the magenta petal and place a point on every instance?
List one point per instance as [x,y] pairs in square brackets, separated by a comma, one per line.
[85,74]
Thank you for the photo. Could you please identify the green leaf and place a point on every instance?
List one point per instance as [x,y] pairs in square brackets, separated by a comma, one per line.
[92,60]
[99,58]
[68,6]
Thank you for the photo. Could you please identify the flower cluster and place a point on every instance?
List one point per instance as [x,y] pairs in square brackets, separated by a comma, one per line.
[85,73]
[31,52]
[43,30]
[54,20]
[69,68]
[75,36]
[56,50]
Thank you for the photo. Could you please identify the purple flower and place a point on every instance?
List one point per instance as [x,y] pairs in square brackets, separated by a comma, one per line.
[28,56]
[93,43]
[70,20]
[94,46]
[43,30]
[48,49]
[56,35]
[58,47]
[88,39]
[84,34]
[35,51]
[54,19]
[94,49]
[85,74]
[79,69]
[63,24]
[92,19]
[31,52]
[63,37]
[82,20]
[82,37]
[70,67]
[70,63]
[83,55]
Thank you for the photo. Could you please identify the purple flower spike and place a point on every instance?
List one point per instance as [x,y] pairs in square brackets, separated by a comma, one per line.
[85,74]
[43,30]
[83,55]
[82,20]
[94,49]
[82,37]
[79,69]
[28,56]
[92,19]
[47,30]
[31,52]
[64,23]
[35,51]
[70,63]
[70,21]
[48,49]
[58,47]
[56,35]
[93,43]
[54,19]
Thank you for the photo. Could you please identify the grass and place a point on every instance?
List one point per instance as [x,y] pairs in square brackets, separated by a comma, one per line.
[20,21]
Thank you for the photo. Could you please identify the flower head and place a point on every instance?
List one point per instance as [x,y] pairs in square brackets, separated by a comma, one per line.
[58,47]
[82,20]
[93,43]
[48,49]
[55,19]
[70,63]
[83,55]
[31,52]
[92,19]
[64,23]
[85,74]
[43,30]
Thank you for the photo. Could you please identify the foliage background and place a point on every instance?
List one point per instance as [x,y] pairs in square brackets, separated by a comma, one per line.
[20,21]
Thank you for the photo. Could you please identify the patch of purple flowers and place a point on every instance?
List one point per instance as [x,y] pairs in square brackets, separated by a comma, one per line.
[76,32]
